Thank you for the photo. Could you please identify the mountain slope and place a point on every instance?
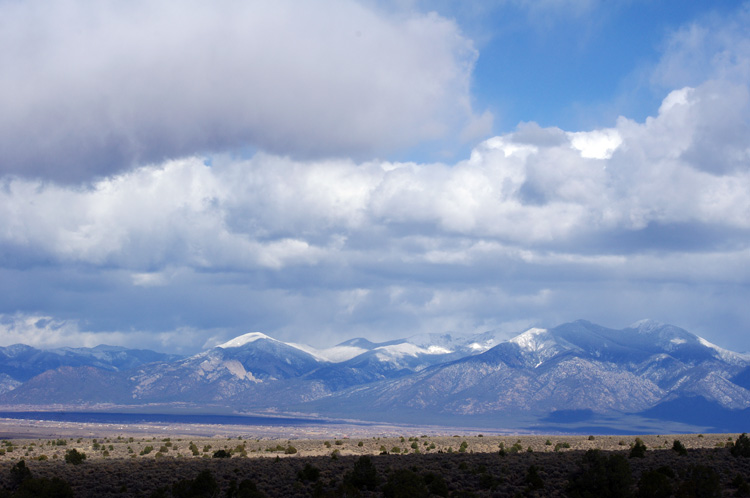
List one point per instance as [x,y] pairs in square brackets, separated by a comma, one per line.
[576,366]
[647,370]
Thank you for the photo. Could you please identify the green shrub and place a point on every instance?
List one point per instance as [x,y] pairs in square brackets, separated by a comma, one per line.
[146,450]
[290,450]
[654,484]
[638,450]
[19,473]
[405,483]
[532,479]
[679,448]
[741,447]
[600,476]
[74,457]
[308,473]
[44,488]
[204,485]
[700,480]
[436,485]
[222,454]
[364,475]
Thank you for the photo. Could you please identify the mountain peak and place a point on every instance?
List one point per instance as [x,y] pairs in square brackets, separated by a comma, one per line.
[245,339]
[531,340]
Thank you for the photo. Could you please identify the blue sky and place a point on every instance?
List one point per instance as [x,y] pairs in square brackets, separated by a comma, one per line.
[174,175]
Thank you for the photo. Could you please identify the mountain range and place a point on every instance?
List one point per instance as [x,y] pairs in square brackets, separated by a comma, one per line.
[578,377]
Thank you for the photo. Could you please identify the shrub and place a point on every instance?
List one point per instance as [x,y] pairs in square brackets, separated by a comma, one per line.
[309,473]
[44,488]
[19,473]
[741,446]
[700,480]
[405,483]
[222,454]
[204,485]
[654,484]
[743,488]
[290,450]
[74,457]
[436,485]
[246,489]
[638,450]
[146,450]
[364,475]
[679,448]
[532,479]
[601,476]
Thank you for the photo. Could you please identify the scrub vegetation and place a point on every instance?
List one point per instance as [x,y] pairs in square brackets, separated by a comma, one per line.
[525,466]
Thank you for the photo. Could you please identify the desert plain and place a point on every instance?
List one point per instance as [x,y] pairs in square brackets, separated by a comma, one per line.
[160,460]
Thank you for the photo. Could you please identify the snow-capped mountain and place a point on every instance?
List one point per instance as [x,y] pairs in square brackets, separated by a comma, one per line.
[647,370]
[576,366]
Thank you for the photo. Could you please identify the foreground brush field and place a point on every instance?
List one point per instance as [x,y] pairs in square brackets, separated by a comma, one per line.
[409,465]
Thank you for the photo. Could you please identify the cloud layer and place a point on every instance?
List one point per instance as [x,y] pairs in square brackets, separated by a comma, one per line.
[100,86]
[536,226]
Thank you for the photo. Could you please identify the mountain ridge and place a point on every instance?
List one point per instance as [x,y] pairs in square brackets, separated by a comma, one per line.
[578,366]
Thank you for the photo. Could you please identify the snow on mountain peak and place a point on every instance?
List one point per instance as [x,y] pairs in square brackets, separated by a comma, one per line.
[336,354]
[532,340]
[245,339]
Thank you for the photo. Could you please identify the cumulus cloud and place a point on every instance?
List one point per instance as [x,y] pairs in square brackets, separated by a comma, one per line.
[536,226]
[92,87]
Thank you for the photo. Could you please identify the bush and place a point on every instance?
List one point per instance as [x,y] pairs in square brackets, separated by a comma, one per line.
[533,480]
[74,457]
[436,485]
[290,450]
[679,448]
[364,475]
[741,447]
[44,488]
[246,489]
[600,476]
[654,484]
[19,473]
[638,450]
[700,481]
[405,483]
[309,473]
[147,450]
[222,454]
[204,485]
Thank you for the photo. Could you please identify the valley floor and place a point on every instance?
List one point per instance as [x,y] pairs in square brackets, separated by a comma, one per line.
[148,461]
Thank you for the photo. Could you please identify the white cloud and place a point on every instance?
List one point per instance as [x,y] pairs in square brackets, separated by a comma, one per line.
[537,226]
[46,332]
[91,87]
[525,189]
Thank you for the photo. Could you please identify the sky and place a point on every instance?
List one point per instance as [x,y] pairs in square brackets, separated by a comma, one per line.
[175,174]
